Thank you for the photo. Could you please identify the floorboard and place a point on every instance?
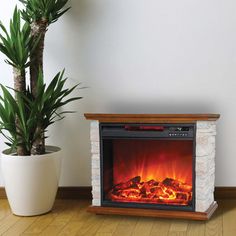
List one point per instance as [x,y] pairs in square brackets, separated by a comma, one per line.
[69,217]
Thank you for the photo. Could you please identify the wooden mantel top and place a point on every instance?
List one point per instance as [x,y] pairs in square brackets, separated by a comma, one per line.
[151,118]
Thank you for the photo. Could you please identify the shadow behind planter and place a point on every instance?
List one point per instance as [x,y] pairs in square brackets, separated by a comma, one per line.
[31,182]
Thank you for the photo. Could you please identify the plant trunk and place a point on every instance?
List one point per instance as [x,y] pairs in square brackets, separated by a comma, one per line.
[38,147]
[20,86]
[19,80]
[38,29]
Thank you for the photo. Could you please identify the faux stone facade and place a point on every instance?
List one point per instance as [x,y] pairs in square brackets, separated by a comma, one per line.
[95,150]
[205,164]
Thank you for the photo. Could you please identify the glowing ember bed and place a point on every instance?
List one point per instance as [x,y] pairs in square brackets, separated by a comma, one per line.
[155,167]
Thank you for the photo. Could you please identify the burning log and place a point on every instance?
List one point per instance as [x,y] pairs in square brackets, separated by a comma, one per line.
[185,188]
[152,182]
[132,183]
[171,182]
[145,189]
[177,185]
[169,191]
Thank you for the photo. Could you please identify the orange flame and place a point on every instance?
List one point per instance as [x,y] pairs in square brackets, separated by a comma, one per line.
[155,160]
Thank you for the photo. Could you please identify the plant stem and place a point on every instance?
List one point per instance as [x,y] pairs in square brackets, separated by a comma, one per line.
[38,29]
[19,80]
[20,86]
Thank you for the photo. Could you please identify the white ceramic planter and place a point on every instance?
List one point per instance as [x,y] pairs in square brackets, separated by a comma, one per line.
[31,182]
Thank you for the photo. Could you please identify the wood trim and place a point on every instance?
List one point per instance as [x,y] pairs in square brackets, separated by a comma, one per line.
[85,193]
[154,213]
[225,192]
[64,193]
[74,193]
[3,193]
[151,118]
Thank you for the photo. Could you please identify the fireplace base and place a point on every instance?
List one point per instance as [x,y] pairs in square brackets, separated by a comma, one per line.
[202,216]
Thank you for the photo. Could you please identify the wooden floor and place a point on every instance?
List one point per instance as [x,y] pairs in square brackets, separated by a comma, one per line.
[69,217]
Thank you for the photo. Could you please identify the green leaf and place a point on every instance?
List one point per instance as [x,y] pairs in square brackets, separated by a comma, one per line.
[49,10]
[5,31]
[15,45]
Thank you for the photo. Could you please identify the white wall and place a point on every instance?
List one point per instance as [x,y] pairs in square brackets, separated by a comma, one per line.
[143,56]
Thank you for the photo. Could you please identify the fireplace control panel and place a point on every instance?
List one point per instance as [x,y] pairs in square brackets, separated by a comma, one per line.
[178,134]
[148,130]
[180,131]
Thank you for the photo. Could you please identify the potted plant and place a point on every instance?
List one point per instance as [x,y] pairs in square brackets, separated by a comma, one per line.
[31,169]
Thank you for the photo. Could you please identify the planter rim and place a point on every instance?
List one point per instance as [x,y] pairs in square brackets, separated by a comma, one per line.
[49,148]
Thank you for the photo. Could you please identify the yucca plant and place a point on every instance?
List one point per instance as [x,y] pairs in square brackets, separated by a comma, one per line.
[40,14]
[17,45]
[31,111]
[25,117]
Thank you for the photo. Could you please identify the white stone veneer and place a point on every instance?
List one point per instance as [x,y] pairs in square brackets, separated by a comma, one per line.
[95,150]
[205,164]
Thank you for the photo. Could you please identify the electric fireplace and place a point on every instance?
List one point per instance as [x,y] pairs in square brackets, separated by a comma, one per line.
[149,166]
[153,165]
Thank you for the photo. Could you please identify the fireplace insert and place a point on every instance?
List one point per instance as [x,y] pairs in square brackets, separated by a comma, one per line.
[148,165]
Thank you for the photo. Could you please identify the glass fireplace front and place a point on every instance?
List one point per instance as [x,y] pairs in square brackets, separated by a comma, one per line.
[148,166]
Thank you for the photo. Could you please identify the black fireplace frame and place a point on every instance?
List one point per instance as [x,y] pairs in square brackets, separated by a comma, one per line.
[110,131]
